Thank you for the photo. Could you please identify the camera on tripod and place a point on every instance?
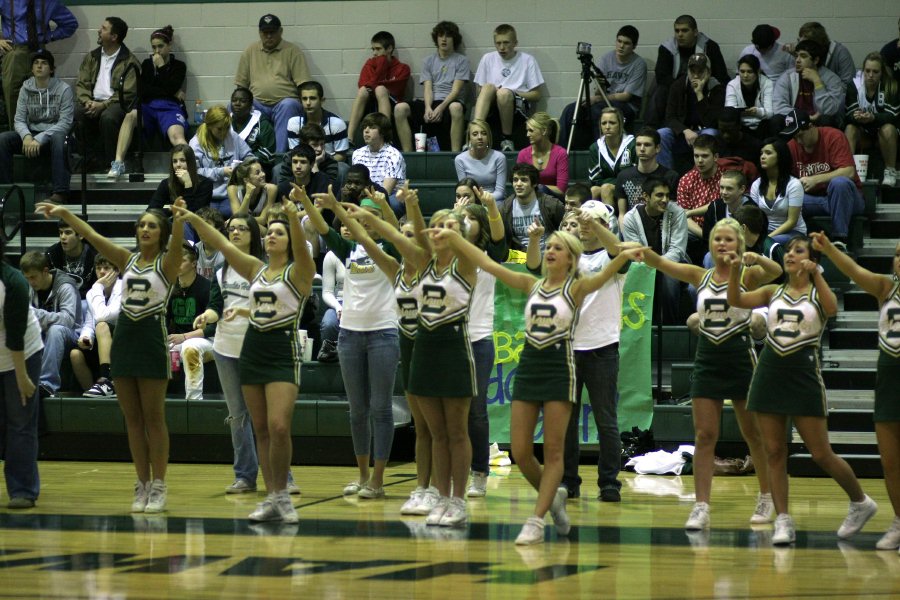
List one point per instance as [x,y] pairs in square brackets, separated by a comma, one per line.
[583,49]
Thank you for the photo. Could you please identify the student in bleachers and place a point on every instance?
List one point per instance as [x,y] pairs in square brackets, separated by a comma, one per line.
[873,104]
[611,153]
[248,190]
[527,205]
[732,196]
[72,255]
[481,162]
[303,161]
[218,150]
[773,60]
[184,181]
[466,193]
[752,93]
[385,163]
[700,186]
[382,82]
[254,128]
[629,191]
[835,55]
[548,157]
[778,193]
[334,130]
[140,354]
[891,53]
[104,301]
[810,87]
[209,260]
[736,142]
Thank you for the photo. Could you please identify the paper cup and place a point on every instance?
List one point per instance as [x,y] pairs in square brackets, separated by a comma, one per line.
[862,165]
[420,141]
[304,342]
[307,350]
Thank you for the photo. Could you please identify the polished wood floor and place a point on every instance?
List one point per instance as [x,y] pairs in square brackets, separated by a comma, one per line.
[81,542]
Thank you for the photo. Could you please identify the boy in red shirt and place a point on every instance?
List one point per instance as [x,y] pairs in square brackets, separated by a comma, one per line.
[382,82]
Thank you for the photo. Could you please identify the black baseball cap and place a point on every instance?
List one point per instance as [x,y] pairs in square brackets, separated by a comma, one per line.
[44,54]
[794,121]
[269,23]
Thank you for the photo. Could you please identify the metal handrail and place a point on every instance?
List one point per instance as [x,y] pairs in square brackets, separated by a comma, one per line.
[18,225]
[135,104]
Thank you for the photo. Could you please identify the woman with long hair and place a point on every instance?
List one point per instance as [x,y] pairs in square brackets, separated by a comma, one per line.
[184,181]
[248,191]
[548,157]
[751,91]
[218,150]
[610,154]
[787,384]
[140,353]
[778,193]
[481,162]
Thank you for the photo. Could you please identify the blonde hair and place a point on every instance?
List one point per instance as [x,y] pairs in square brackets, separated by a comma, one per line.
[546,123]
[738,231]
[485,126]
[450,213]
[572,244]
[217,115]
[612,110]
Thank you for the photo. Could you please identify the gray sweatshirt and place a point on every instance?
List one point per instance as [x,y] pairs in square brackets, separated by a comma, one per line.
[42,112]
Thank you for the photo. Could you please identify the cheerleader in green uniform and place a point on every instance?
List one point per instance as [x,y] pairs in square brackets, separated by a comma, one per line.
[787,383]
[140,354]
[545,378]
[271,353]
[886,290]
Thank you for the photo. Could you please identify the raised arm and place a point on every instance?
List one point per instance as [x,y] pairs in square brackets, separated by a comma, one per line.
[873,283]
[384,261]
[463,248]
[246,265]
[171,261]
[682,272]
[498,233]
[533,256]
[761,269]
[304,266]
[115,253]
[741,299]
[355,216]
[826,296]
[593,282]
[315,217]
[387,213]
[414,215]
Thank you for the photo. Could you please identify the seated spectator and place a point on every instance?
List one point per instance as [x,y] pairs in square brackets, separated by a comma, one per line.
[385,163]
[610,154]
[700,186]
[548,157]
[525,206]
[104,300]
[773,60]
[508,83]
[693,108]
[891,53]
[333,297]
[732,196]
[752,94]
[57,305]
[254,128]
[672,63]
[334,129]
[218,150]
[162,98]
[189,300]
[248,191]
[735,140]
[625,78]
[184,181]
[836,57]
[812,88]
[97,93]
[382,82]
[272,69]
[313,135]
[303,159]
[821,159]
[576,195]
[778,193]
[872,107]
[356,186]
[630,181]
[754,223]
[445,75]
[661,225]
[466,193]
[43,119]
[209,260]
[73,256]
[481,162]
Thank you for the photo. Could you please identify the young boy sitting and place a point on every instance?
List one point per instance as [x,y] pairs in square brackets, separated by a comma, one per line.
[382,82]
[104,300]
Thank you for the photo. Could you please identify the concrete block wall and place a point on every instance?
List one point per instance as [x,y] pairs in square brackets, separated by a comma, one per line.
[335,34]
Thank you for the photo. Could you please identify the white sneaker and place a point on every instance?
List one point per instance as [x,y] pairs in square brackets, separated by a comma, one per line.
[699,517]
[784,530]
[890,177]
[558,512]
[352,488]
[891,539]
[765,510]
[857,515]
[102,389]
[437,512]
[141,491]
[477,485]
[116,169]
[411,506]
[293,489]
[455,515]
[265,510]
[240,486]
[285,507]
[427,501]
[156,498]
[532,532]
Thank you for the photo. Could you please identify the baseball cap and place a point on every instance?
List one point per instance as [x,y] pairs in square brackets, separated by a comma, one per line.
[794,121]
[596,209]
[698,61]
[764,36]
[269,23]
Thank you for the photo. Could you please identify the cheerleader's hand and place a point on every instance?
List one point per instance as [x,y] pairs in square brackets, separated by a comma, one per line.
[232,313]
[180,211]
[750,258]
[810,266]
[298,193]
[50,210]
[731,259]
[535,231]
[405,194]
[200,321]
[290,208]
[441,233]
[634,254]
[820,241]
[357,213]
[327,200]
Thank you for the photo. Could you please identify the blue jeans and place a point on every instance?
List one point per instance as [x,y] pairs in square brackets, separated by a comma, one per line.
[246,463]
[671,144]
[223,206]
[58,340]
[19,434]
[479,425]
[368,365]
[280,113]
[841,201]
[783,238]
[330,325]
[598,370]
[11,143]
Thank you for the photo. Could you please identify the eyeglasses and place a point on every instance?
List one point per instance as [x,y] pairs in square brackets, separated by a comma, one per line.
[238,229]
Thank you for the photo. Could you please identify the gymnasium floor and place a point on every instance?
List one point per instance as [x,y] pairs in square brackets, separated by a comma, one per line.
[80,542]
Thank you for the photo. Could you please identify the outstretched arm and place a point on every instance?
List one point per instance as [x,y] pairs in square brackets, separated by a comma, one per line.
[115,253]
[464,248]
[387,213]
[873,283]
[172,259]
[595,281]
[414,214]
[682,272]
[245,264]
[761,269]
[741,299]
[412,253]
[304,267]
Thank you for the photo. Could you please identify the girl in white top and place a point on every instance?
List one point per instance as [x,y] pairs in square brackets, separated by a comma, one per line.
[750,92]
[778,193]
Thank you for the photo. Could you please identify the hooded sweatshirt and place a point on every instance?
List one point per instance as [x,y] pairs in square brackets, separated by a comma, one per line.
[42,112]
[62,306]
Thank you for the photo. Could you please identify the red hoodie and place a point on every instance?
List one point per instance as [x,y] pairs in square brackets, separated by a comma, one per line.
[391,73]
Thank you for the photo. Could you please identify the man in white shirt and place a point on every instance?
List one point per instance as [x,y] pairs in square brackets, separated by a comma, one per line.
[386,164]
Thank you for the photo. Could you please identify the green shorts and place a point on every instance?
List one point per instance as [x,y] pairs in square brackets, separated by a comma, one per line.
[270,356]
[140,348]
[442,364]
[887,388]
[788,385]
[545,375]
[723,371]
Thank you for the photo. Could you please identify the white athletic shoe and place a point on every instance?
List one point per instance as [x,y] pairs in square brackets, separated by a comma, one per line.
[411,506]
[765,510]
[784,530]
[265,511]
[891,539]
[437,513]
[455,515]
[156,497]
[427,501]
[285,507]
[558,512]
[699,517]
[532,532]
[857,515]
[477,485]
[141,491]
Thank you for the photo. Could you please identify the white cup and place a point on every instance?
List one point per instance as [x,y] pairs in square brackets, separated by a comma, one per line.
[420,141]
[307,350]
[304,343]
[862,165]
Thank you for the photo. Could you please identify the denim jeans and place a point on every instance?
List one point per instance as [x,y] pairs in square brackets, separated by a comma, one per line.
[280,113]
[479,425]
[223,206]
[246,464]
[598,370]
[58,340]
[841,201]
[368,365]
[671,144]
[11,143]
[330,325]
[19,434]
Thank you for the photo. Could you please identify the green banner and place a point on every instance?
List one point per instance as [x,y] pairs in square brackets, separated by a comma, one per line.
[635,397]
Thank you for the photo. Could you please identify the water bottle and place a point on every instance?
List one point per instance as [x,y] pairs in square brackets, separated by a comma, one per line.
[198,112]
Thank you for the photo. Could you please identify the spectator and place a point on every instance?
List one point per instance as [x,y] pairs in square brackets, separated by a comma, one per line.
[836,57]
[778,193]
[625,78]
[248,191]
[576,195]
[526,206]
[42,121]
[303,159]
[823,162]
[735,141]
[313,135]
[509,83]
[445,75]
[382,82]
[700,186]
[57,305]
[693,108]
[333,296]
[254,128]
[184,181]
[661,225]
[97,92]
[810,87]
[481,162]
[548,157]
[890,52]
[754,224]
[386,165]
[751,93]
[209,260]
[872,107]
[73,256]
[218,150]
[104,300]
[356,186]
[773,60]
[272,69]
[609,155]
[334,129]
[732,196]
[629,182]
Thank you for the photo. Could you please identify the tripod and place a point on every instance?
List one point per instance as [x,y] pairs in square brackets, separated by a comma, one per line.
[583,100]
